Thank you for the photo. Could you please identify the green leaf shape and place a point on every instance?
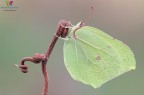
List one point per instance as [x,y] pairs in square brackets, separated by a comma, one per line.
[94,57]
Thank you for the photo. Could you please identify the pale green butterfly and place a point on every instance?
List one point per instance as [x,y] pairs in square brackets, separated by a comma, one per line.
[93,57]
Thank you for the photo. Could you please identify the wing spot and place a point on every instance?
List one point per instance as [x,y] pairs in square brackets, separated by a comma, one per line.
[98,57]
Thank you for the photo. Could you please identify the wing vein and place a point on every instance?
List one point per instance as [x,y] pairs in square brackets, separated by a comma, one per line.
[121,61]
[115,52]
[100,62]
[98,48]
[76,57]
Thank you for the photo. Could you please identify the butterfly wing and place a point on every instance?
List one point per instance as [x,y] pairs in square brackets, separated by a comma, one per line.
[95,57]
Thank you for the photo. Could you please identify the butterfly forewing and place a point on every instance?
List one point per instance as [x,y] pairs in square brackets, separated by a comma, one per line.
[94,57]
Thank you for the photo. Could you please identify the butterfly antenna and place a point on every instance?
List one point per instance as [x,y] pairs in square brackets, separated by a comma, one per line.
[90,15]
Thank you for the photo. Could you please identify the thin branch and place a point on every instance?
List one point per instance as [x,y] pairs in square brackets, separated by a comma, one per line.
[62,31]
[45,74]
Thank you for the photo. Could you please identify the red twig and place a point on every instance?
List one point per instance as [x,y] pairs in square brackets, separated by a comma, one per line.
[45,90]
[43,58]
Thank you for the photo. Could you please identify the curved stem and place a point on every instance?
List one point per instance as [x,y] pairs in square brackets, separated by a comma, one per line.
[43,58]
[26,59]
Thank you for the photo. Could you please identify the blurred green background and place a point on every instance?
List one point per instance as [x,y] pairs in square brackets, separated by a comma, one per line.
[30,28]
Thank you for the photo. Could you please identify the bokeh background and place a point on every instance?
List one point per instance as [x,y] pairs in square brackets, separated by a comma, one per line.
[30,28]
